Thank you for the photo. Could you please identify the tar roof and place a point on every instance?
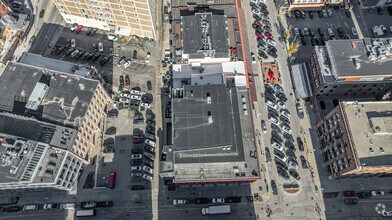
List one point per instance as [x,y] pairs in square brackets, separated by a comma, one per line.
[202,32]
[197,139]
[370,125]
[349,59]
[46,39]
[65,103]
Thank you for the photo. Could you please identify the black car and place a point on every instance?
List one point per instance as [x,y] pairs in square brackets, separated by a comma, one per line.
[93,31]
[134,55]
[150,129]
[149,85]
[320,14]
[111,130]
[289,144]
[350,201]
[41,13]
[379,11]
[267,155]
[104,60]
[300,144]
[274,187]
[303,41]
[150,115]
[12,209]
[348,13]
[136,162]
[147,98]
[233,199]
[340,32]
[80,54]
[202,200]
[282,173]
[294,174]
[150,122]
[290,153]
[364,195]
[105,204]
[281,164]
[263,55]
[297,15]
[304,163]
[272,53]
[88,205]
[312,33]
[303,15]
[60,49]
[320,32]
[69,51]
[313,41]
[88,32]
[311,15]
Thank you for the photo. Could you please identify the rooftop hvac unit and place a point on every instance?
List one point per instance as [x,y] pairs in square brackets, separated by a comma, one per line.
[208,100]
[37,95]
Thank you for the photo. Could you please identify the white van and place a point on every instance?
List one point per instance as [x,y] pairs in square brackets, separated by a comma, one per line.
[30,207]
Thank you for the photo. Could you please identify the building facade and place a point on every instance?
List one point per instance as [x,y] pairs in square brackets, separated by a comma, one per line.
[355,139]
[122,17]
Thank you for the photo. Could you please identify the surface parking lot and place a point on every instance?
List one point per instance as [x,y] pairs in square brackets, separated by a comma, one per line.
[337,19]
[372,18]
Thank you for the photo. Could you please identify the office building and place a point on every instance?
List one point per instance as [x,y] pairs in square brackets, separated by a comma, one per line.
[356,139]
[122,17]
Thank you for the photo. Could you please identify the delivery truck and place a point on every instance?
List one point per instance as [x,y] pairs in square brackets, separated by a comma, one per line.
[215,210]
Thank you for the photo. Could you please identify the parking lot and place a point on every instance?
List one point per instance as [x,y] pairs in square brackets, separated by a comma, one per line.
[373,18]
[335,19]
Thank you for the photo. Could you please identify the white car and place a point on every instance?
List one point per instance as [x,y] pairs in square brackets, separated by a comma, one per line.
[263,126]
[51,206]
[386,213]
[73,43]
[124,95]
[147,177]
[254,1]
[286,114]
[135,168]
[118,49]
[271,42]
[296,31]
[136,156]
[271,104]
[281,104]
[286,129]
[180,201]
[277,146]
[148,169]
[149,155]
[274,120]
[218,200]
[278,88]
[136,97]
[100,47]
[124,100]
[377,193]
[150,142]
[148,57]
[255,11]
[112,37]
[136,174]
[135,92]
[146,105]
[330,32]
[68,206]
[354,31]
[253,58]
[306,31]
[293,164]
[127,64]
[325,14]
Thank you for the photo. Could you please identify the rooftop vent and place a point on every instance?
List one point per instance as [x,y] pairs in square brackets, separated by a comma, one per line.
[356,63]
[209,117]
[208,98]
[37,95]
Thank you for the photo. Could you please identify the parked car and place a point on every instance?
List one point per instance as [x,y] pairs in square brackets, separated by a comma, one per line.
[117,53]
[386,214]
[105,204]
[233,199]
[263,126]
[350,201]
[79,29]
[304,163]
[293,164]
[294,174]
[286,129]
[218,200]
[180,201]
[51,206]
[147,177]
[274,187]
[377,193]
[136,156]
[149,155]
[268,158]
[41,13]
[134,55]
[136,174]
[202,200]
[112,37]
[150,143]
[349,193]
[364,195]
[68,206]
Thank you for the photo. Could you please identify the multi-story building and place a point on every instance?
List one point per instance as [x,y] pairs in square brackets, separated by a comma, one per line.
[58,98]
[35,154]
[356,139]
[123,17]
[350,69]
[308,5]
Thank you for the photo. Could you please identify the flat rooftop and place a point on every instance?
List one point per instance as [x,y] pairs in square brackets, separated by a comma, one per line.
[360,57]
[371,128]
[213,136]
[204,34]
[32,151]
[65,102]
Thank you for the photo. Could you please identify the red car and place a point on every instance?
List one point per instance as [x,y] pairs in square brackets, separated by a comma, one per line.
[79,29]
[349,194]
[256,23]
[269,35]
[138,140]
[261,36]
[12,209]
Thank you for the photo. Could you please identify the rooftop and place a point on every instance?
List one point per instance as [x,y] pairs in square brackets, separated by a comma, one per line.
[356,58]
[32,151]
[370,124]
[211,133]
[64,101]
[46,39]
[204,34]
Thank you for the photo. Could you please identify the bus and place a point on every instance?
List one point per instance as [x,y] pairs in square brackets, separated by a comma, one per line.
[85,213]
[112,180]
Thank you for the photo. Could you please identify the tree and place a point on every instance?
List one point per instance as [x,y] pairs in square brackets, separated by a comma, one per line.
[287,33]
[293,47]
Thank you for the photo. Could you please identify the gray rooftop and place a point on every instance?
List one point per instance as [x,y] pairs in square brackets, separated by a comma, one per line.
[65,103]
[46,39]
[215,44]
[370,125]
[176,3]
[195,139]
[349,58]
